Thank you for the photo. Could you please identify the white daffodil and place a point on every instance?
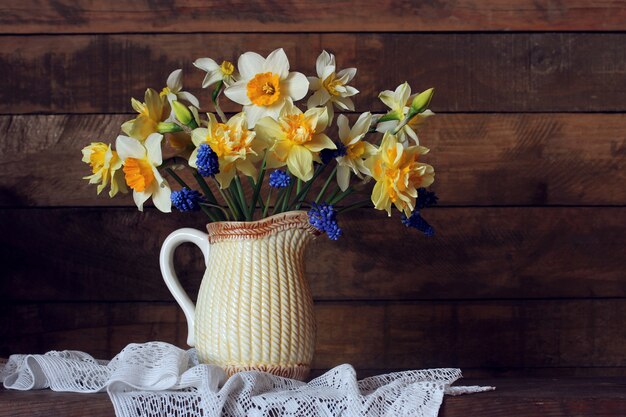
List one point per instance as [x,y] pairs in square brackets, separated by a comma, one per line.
[215,72]
[330,87]
[173,91]
[141,173]
[266,85]
[354,150]
[399,102]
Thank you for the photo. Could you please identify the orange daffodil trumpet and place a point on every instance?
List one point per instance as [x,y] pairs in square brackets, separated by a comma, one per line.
[296,139]
[140,170]
[398,175]
[277,141]
[266,85]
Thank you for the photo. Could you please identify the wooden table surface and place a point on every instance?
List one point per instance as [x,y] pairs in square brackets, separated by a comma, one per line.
[514,397]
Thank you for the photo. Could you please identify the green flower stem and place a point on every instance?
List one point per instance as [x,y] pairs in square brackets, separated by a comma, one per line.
[298,186]
[227,200]
[332,195]
[341,196]
[216,101]
[241,198]
[326,184]
[301,196]
[285,202]
[357,205]
[267,204]
[222,209]
[257,188]
[234,199]
[279,200]
[183,184]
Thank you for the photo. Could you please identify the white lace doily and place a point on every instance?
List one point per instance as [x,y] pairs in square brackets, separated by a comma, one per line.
[158,379]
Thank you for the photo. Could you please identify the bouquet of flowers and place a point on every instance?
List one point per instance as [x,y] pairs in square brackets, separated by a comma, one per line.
[271,137]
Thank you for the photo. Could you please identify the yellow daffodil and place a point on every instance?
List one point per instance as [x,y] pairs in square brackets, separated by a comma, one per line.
[354,149]
[153,110]
[174,88]
[398,175]
[105,165]
[399,101]
[266,85]
[140,170]
[330,87]
[216,72]
[296,139]
[236,147]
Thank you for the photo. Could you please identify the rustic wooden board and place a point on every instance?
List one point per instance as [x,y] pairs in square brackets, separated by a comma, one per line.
[107,255]
[519,397]
[491,335]
[183,16]
[479,159]
[474,72]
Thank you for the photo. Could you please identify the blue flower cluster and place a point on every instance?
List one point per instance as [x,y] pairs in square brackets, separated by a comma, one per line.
[324,218]
[186,199]
[327,155]
[279,179]
[206,161]
[425,199]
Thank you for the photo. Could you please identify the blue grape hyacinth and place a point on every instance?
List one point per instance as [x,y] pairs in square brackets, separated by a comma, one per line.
[425,199]
[279,179]
[186,199]
[206,161]
[324,218]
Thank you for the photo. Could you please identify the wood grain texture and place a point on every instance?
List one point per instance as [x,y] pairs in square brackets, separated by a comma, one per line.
[491,335]
[182,16]
[524,397]
[478,253]
[479,159]
[478,72]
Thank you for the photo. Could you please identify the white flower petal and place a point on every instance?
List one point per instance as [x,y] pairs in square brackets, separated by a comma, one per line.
[346,75]
[153,146]
[343,177]
[206,64]
[362,125]
[324,60]
[129,148]
[314,83]
[387,126]
[161,197]
[319,98]
[344,129]
[388,98]
[185,95]
[344,103]
[238,93]
[296,85]
[140,197]
[254,113]
[175,81]
[250,64]
[403,91]
[277,63]
[211,78]
[327,72]
[350,91]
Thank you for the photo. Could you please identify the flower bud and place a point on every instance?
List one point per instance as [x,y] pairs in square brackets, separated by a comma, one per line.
[182,112]
[421,101]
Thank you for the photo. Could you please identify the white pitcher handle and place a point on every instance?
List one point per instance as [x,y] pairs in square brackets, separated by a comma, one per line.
[166,261]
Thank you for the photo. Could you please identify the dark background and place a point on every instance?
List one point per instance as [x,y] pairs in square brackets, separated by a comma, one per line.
[526,273]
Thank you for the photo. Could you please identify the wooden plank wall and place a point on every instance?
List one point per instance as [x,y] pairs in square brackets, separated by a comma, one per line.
[526,273]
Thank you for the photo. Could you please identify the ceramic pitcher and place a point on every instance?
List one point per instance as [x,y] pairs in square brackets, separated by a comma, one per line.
[254,308]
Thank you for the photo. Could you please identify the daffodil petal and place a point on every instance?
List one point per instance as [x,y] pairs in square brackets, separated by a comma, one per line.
[300,163]
[296,85]
[185,95]
[346,75]
[403,91]
[249,64]
[129,148]
[387,126]
[344,129]
[161,197]
[319,98]
[211,78]
[362,125]
[175,81]
[350,91]
[314,83]
[253,114]
[388,98]
[343,177]
[199,135]
[153,146]
[324,60]
[277,63]
[238,93]
[268,129]
[345,103]
[206,64]
[320,141]
[140,197]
